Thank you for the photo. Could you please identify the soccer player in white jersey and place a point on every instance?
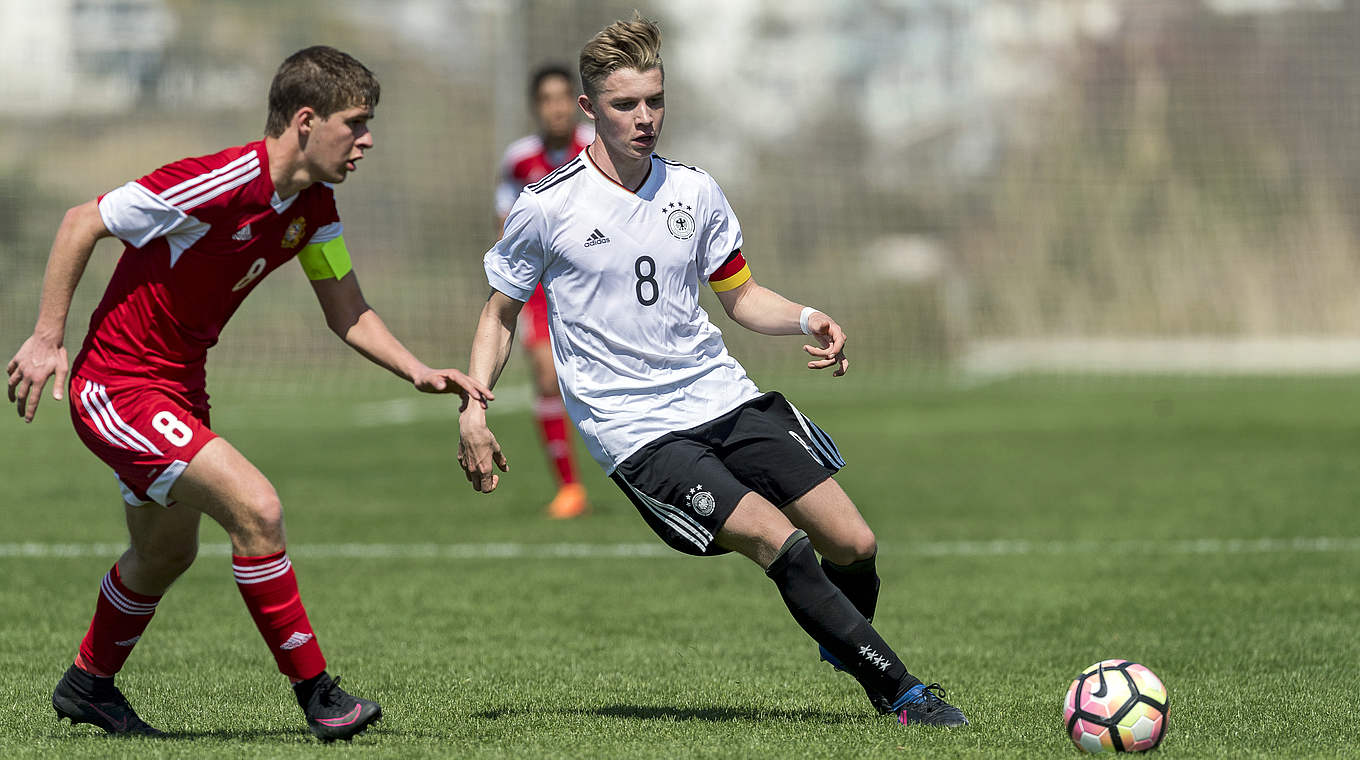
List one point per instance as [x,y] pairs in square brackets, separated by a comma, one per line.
[621,239]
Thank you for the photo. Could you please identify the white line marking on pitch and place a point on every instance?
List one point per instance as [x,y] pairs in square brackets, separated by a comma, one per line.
[491,551]
[404,411]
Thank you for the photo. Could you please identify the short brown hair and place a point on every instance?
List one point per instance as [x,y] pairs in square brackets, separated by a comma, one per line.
[323,78]
[634,44]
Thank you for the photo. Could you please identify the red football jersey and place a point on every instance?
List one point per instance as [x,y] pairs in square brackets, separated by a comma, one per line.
[527,160]
[200,234]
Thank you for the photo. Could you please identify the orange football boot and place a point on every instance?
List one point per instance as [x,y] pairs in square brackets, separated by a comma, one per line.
[569,502]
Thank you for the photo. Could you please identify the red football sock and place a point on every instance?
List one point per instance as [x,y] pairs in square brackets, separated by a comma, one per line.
[120,616]
[552,425]
[270,591]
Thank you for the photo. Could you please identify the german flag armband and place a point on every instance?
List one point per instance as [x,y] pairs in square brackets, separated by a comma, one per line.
[731,275]
[326,260]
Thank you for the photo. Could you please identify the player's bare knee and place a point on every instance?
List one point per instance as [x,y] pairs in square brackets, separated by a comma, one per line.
[164,563]
[263,517]
[852,547]
[863,545]
[268,521]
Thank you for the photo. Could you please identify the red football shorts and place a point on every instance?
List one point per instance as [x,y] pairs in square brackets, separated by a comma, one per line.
[148,435]
[533,320]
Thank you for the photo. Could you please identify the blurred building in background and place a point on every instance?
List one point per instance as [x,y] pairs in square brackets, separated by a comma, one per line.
[1003,184]
[68,56]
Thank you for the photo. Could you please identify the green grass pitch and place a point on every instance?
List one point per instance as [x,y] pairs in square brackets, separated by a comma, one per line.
[1028,528]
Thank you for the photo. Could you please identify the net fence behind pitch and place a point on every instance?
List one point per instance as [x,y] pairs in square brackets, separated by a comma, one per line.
[993,185]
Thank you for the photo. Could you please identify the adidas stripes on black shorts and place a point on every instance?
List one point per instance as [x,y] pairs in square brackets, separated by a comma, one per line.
[686,483]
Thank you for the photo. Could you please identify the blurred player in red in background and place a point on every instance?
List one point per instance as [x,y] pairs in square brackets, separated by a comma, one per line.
[200,234]
[529,159]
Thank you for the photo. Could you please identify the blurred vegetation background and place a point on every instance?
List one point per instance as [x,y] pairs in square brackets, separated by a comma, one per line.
[946,177]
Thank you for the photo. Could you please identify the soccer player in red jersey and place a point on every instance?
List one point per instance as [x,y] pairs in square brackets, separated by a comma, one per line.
[528,160]
[200,234]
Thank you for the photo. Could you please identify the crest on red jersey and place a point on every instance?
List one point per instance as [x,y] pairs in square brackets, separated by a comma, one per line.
[293,235]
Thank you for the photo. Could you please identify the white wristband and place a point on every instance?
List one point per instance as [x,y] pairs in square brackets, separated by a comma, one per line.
[808,311]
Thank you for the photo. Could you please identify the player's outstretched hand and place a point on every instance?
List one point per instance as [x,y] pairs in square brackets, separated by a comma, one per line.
[477,452]
[29,371]
[453,381]
[831,352]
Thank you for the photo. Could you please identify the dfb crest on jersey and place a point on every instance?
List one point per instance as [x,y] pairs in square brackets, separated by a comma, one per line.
[293,235]
[679,220]
[701,501]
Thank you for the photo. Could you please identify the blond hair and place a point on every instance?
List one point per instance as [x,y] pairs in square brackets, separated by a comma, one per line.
[634,44]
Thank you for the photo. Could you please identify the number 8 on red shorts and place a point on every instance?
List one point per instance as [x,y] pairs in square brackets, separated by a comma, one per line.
[148,435]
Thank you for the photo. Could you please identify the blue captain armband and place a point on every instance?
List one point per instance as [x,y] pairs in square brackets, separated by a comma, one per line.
[326,260]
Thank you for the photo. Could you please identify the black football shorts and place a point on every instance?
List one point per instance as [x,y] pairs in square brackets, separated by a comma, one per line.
[686,483]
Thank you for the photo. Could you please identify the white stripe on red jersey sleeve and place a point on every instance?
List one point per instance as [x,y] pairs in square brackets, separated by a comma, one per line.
[138,216]
[519,150]
[510,186]
[202,188]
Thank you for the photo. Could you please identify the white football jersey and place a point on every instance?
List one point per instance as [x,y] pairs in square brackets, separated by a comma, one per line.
[636,356]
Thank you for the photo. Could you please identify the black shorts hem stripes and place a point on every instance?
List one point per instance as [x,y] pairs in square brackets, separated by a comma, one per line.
[686,483]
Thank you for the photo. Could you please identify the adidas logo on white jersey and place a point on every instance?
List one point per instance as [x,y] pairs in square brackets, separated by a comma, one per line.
[242,234]
[296,640]
[596,238]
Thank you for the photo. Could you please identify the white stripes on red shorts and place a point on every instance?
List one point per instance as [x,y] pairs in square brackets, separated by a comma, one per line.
[95,398]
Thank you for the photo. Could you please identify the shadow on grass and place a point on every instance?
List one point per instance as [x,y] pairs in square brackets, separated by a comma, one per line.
[239,734]
[223,734]
[678,714]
